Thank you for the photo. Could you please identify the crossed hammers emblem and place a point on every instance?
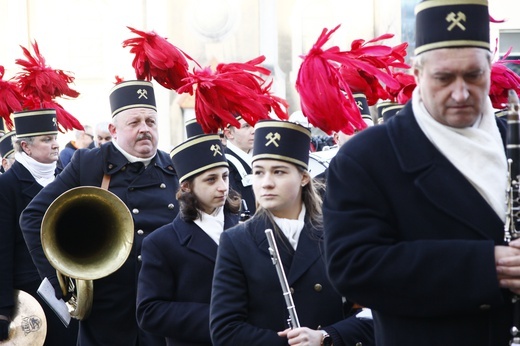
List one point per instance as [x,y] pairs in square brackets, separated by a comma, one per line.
[455,20]
[142,93]
[216,150]
[55,122]
[272,138]
[359,105]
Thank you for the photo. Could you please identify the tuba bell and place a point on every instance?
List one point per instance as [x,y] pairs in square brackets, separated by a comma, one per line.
[86,234]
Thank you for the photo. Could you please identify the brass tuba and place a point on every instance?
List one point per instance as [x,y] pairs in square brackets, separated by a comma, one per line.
[86,234]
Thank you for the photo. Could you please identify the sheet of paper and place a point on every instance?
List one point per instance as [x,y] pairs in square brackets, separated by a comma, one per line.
[46,291]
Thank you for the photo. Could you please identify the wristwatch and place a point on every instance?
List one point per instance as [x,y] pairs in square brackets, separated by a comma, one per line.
[326,340]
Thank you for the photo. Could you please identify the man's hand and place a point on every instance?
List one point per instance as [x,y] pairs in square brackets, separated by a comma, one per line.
[507,260]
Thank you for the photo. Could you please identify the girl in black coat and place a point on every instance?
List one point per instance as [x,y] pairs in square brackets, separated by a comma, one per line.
[174,286]
[247,303]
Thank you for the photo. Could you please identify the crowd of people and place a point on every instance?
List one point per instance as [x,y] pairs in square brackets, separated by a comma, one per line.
[400,241]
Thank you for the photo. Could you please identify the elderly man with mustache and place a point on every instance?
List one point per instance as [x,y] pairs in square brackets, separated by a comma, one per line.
[144,179]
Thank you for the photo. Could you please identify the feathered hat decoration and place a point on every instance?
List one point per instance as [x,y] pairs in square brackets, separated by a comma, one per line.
[374,75]
[232,89]
[403,93]
[10,99]
[324,79]
[40,84]
[157,58]
[502,80]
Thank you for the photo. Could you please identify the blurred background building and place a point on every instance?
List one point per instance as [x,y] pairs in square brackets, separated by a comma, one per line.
[85,36]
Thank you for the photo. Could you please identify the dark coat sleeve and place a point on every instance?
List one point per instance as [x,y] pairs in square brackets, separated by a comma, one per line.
[32,216]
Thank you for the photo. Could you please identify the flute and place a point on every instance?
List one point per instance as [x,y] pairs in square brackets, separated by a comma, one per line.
[512,195]
[292,321]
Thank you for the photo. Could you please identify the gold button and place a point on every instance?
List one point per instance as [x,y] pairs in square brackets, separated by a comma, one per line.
[123,168]
[139,258]
[171,206]
[162,186]
[318,287]
[292,290]
[359,344]
[140,232]
[135,211]
[110,166]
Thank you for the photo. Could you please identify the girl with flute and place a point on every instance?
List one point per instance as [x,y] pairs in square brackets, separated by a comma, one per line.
[174,286]
[247,303]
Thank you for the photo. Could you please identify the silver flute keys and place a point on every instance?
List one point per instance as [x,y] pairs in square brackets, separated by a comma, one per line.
[292,321]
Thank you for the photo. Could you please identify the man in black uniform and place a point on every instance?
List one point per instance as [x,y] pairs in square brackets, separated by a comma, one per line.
[144,179]
[239,149]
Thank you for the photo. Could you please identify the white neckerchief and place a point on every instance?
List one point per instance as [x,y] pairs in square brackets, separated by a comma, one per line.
[43,173]
[292,228]
[212,225]
[131,158]
[477,151]
[246,157]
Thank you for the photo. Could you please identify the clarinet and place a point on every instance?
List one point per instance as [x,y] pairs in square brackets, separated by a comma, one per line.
[513,196]
[292,321]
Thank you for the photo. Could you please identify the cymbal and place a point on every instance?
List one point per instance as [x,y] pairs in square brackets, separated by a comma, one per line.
[29,325]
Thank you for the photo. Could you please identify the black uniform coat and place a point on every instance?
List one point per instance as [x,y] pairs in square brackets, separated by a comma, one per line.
[247,303]
[408,236]
[174,288]
[150,196]
[235,181]
[17,270]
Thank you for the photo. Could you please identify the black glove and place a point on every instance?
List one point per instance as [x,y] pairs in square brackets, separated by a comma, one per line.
[57,290]
[4,329]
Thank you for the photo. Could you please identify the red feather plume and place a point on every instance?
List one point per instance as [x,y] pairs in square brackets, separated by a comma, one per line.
[368,70]
[10,99]
[403,93]
[40,80]
[502,80]
[320,86]
[40,84]
[231,89]
[157,58]
[118,80]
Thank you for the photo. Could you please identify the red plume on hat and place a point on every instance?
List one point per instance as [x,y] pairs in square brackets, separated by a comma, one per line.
[502,80]
[319,84]
[232,89]
[157,58]
[10,99]
[403,93]
[40,84]
[374,75]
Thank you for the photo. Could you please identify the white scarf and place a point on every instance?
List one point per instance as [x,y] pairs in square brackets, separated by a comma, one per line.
[131,158]
[246,157]
[212,225]
[292,228]
[477,151]
[43,173]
